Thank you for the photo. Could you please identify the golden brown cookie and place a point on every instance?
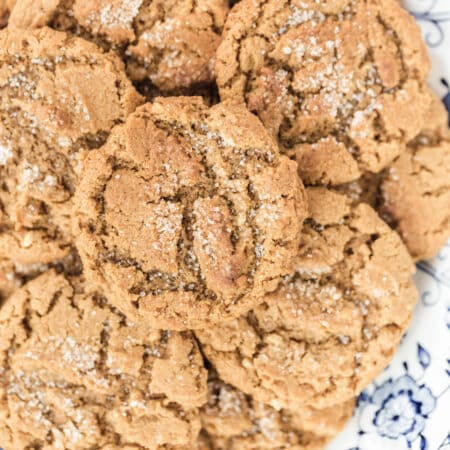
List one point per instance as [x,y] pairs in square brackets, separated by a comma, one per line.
[60,96]
[14,275]
[170,42]
[5,8]
[77,374]
[188,214]
[10,280]
[436,120]
[232,420]
[413,193]
[415,197]
[339,83]
[332,325]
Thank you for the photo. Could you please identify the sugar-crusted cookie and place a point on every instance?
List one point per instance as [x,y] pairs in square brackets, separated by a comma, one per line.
[60,96]
[188,215]
[170,42]
[413,194]
[339,83]
[76,374]
[232,420]
[333,324]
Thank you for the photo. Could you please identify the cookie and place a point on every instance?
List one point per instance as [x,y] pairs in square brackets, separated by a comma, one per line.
[172,43]
[5,9]
[436,120]
[188,215]
[416,198]
[339,105]
[412,194]
[232,420]
[60,96]
[9,280]
[333,324]
[414,191]
[77,374]
[14,275]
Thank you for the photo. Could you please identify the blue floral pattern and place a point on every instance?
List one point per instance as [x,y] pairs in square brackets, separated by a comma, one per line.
[446,444]
[403,407]
[434,17]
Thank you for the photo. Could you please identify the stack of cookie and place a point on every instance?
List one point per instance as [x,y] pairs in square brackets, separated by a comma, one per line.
[189,268]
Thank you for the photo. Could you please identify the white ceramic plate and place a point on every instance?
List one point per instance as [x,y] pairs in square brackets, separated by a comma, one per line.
[408,406]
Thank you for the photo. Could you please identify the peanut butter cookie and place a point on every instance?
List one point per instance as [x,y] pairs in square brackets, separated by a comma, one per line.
[170,42]
[232,420]
[5,9]
[413,193]
[14,275]
[415,190]
[76,374]
[9,279]
[59,97]
[333,324]
[340,83]
[188,215]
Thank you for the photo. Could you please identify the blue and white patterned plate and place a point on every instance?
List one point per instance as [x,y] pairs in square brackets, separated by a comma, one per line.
[408,406]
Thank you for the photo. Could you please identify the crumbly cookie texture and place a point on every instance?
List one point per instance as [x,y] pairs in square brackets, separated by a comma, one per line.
[170,42]
[413,194]
[332,325]
[188,215]
[76,374]
[60,96]
[415,197]
[14,275]
[9,279]
[338,104]
[232,420]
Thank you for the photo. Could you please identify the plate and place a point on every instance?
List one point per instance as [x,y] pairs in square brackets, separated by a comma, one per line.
[408,405]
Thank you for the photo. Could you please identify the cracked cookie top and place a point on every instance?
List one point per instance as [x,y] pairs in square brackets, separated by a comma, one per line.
[415,196]
[333,324]
[170,42]
[188,215]
[59,96]
[339,83]
[76,374]
[9,279]
[232,420]
[413,193]
[14,275]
